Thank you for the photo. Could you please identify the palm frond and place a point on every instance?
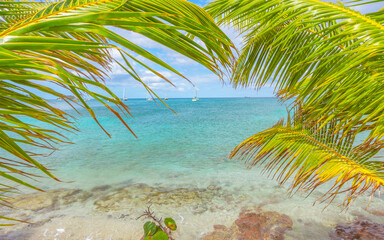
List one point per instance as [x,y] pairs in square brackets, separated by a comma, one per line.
[309,156]
[12,12]
[67,43]
[323,54]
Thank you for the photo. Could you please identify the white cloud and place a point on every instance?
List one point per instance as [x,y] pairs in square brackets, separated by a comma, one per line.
[149,77]
[204,78]
[166,74]
[234,36]
[157,85]
[116,69]
[178,59]
[115,54]
[124,83]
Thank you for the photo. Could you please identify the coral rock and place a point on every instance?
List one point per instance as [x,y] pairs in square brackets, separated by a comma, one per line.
[50,199]
[34,201]
[222,233]
[362,229]
[253,226]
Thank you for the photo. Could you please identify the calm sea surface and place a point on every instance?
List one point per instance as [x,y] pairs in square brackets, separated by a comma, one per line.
[194,144]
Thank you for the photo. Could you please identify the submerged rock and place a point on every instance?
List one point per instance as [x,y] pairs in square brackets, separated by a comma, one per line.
[362,229]
[34,201]
[50,199]
[251,225]
[101,188]
[262,225]
[140,195]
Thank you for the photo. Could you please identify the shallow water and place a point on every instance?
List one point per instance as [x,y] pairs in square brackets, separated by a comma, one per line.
[179,164]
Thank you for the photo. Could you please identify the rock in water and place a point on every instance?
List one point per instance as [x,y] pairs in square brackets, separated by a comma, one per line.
[49,200]
[33,201]
[253,225]
[222,233]
[262,225]
[362,229]
[140,195]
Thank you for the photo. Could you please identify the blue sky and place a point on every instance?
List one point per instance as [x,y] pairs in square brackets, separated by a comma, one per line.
[207,83]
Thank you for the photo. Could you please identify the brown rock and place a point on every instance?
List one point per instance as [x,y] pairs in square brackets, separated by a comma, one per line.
[140,195]
[34,201]
[257,225]
[377,212]
[250,226]
[70,196]
[101,188]
[362,229]
[222,233]
[49,199]
[262,225]
[219,227]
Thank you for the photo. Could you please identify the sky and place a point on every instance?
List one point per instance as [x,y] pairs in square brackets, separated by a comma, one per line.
[207,83]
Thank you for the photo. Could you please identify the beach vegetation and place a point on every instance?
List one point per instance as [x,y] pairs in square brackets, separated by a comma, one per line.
[156,230]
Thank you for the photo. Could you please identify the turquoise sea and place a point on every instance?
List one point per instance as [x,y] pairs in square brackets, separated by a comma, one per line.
[179,164]
[193,144]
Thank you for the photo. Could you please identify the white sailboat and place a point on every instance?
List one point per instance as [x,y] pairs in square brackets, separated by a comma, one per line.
[195,99]
[149,98]
[124,97]
[86,97]
[166,97]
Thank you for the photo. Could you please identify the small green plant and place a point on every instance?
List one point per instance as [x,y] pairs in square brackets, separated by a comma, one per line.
[155,230]
[150,228]
[170,223]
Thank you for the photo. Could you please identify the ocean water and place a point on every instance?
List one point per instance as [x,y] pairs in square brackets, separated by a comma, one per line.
[194,143]
[184,152]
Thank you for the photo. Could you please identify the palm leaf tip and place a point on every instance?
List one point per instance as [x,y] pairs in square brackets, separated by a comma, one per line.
[309,157]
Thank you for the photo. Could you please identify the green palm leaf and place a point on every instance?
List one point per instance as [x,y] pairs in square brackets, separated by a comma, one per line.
[308,157]
[67,43]
[316,51]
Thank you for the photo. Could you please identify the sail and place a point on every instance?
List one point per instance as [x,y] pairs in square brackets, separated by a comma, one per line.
[195,98]
[124,97]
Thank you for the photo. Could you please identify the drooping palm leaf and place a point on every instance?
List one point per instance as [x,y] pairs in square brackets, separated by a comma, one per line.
[68,43]
[308,157]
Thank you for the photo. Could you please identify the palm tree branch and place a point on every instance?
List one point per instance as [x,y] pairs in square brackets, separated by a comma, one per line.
[290,150]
